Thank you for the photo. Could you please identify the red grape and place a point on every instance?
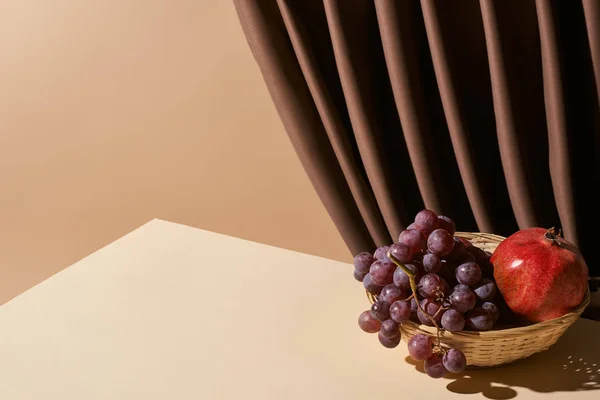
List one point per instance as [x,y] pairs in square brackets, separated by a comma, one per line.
[389,328]
[466,242]
[479,319]
[426,221]
[401,279]
[468,273]
[363,261]
[465,258]
[431,307]
[402,252]
[413,239]
[434,366]
[491,309]
[370,286]
[382,272]
[446,224]
[420,347]
[429,285]
[462,300]
[460,286]
[400,311]
[440,242]
[358,275]
[381,253]
[368,322]
[380,310]
[453,321]
[432,263]
[392,293]
[485,290]
[480,256]
[389,342]
[458,251]
[455,361]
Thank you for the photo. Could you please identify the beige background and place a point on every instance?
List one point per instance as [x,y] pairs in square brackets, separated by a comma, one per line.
[118,111]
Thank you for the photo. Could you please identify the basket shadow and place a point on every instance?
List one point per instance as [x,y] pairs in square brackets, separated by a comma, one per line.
[572,364]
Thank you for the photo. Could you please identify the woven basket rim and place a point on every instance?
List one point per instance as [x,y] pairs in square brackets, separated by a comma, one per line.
[567,318]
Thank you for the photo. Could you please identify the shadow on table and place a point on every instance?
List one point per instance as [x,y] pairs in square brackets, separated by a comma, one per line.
[572,364]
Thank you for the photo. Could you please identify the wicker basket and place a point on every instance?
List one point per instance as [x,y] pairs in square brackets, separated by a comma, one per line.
[496,347]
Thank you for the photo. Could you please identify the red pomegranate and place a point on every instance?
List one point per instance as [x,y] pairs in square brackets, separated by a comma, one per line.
[540,274]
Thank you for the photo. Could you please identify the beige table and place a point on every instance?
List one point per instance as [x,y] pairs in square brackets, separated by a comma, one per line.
[172,312]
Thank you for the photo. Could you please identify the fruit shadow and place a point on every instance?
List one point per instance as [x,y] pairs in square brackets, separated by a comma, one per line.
[572,364]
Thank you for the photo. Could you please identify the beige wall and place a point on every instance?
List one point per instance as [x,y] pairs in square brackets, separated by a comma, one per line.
[114,112]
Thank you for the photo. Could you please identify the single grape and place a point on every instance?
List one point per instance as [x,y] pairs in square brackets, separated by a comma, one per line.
[381,253]
[358,275]
[462,299]
[460,286]
[479,319]
[370,286]
[420,347]
[380,310]
[413,239]
[401,279]
[465,258]
[392,293]
[455,361]
[432,263]
[389,342]
[390,328]
[434,367]
[466,242]
[440,242]
[468,273]
[400,311]
[492,310]
[431,307]
[412,226]
[480,256]
[368,322]
[430,285]
[485,290]
[446,224]
[458,251]
[453,321]
[426,221]
[402,252]
[382,272]
[363,261]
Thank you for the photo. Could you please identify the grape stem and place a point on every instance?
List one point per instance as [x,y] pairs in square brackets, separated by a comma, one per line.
[413,288]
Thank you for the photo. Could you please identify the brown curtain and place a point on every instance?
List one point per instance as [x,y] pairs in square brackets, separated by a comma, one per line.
[485,111]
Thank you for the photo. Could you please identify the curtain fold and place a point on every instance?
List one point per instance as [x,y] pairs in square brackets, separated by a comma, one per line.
[506,121]
[402,59]
[485,111]
[556,116]
[339,134]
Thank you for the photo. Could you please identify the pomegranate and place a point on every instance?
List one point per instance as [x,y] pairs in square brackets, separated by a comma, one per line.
[540,274]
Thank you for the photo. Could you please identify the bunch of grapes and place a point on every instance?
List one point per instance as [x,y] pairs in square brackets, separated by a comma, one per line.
[430,277]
